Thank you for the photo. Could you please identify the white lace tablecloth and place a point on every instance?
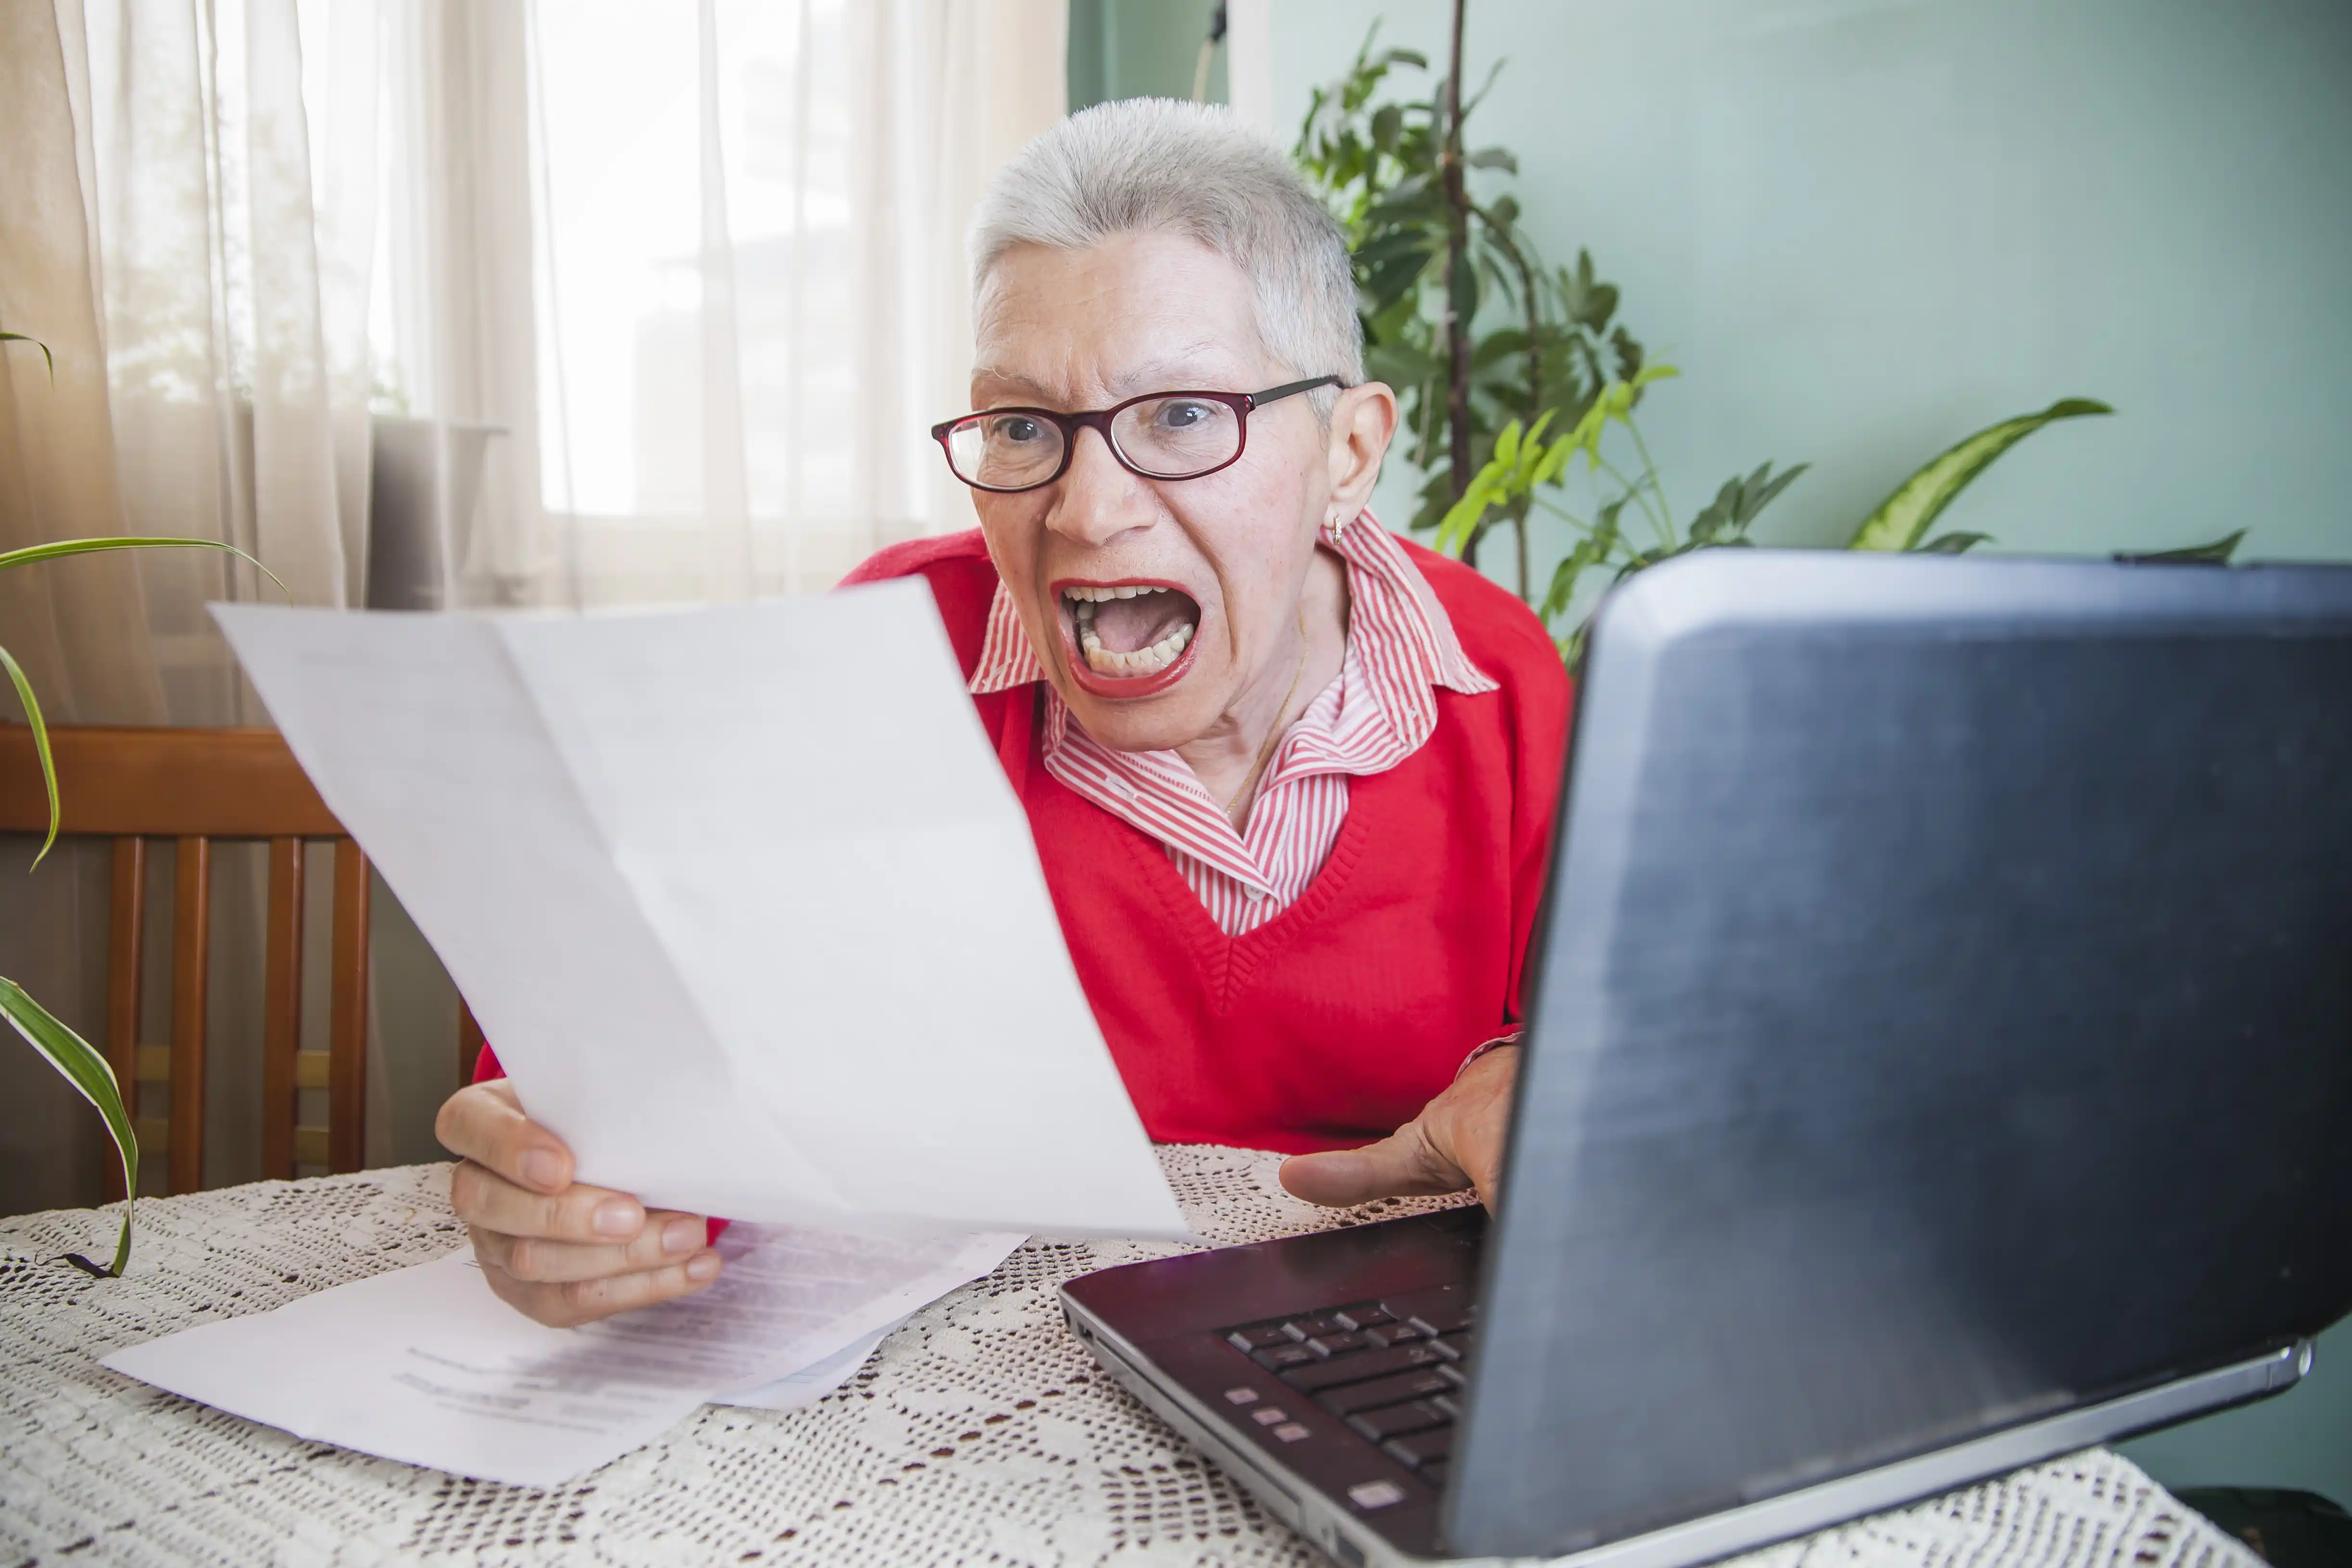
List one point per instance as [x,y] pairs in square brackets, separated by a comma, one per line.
[979,1433]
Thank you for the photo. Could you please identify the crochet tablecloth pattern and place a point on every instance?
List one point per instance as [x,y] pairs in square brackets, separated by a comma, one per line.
[979,1433]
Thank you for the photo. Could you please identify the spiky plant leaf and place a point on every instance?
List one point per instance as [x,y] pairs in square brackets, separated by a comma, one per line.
[82,1067]
[1902,519]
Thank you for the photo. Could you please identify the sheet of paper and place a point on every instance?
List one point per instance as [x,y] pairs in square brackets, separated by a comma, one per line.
[798,1390]
[740,895]
[426,1365]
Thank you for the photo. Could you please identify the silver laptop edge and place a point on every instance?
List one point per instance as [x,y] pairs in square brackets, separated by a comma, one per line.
[1302,1507]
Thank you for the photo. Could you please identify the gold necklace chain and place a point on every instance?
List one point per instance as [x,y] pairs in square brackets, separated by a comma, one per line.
[1274,734]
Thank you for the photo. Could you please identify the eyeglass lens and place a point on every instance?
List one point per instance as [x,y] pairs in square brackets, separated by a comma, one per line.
[1163,438]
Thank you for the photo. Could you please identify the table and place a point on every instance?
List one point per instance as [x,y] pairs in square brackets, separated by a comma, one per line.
[979,1433]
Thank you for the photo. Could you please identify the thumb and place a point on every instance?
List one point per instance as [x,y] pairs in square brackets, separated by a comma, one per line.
[1402,1164]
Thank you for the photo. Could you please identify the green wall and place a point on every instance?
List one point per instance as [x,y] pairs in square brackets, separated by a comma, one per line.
[1865,227]
[1140,48]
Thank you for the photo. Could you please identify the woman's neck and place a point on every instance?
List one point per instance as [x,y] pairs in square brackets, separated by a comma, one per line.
[1227,758]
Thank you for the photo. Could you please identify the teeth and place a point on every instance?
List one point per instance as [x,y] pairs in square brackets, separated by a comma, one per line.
[1088,594]
[1142,661]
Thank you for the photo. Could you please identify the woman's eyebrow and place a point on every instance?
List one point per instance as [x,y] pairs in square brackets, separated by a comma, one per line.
[1186,369]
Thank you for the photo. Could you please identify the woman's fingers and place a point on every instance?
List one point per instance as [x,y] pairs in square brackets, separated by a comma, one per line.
[485,1123]
[666,1238]
[1456,1141]
[573,1302]
[1402,1164]
[579,1213]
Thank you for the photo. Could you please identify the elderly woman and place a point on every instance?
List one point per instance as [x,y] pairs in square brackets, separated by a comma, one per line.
[1291,778]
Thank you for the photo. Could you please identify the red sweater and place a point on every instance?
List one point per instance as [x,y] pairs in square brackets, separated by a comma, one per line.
[1336,1021]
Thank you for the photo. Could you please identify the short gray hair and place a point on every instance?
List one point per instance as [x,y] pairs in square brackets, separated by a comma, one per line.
[1158,165]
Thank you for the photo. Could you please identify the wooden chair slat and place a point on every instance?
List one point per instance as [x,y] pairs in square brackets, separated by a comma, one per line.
[347,1031]
[167,783]
[125,950]
[282,1008]
[192,932]
[195,787]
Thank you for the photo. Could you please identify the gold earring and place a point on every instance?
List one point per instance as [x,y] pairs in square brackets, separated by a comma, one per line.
[1334,528]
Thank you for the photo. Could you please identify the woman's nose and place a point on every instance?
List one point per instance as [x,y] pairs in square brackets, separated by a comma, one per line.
[1096,499]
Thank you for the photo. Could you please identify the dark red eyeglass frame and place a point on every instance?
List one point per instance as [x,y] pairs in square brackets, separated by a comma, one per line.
[1099,420]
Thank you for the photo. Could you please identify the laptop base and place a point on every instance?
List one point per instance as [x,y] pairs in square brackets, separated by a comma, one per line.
[1353,1542]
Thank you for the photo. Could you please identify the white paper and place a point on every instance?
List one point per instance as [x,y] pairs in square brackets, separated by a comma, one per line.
[740,896]
[798,1390]
[428,1366]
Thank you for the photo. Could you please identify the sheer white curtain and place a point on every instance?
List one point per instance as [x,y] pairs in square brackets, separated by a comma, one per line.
[498,301]
[750,291]
[187,191]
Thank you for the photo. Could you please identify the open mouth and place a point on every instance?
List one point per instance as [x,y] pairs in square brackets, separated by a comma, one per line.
[1131,638]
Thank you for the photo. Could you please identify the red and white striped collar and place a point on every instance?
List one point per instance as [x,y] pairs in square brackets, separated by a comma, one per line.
[1389,599]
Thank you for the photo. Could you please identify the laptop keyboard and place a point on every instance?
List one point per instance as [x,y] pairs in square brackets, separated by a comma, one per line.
[1392,1369]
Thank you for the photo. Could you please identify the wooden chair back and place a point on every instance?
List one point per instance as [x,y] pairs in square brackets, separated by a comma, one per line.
[196,787]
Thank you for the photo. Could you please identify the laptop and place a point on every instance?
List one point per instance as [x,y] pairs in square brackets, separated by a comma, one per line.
[1941,1059]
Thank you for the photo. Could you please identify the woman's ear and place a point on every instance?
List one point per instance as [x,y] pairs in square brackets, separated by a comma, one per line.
[1363,421]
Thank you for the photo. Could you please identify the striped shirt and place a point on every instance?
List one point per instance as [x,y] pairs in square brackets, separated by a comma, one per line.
[1379,710]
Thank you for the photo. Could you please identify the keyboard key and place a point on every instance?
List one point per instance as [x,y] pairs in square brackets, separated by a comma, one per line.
[1447,1309]
[1396,1420]
[1321,1323]
[1256,1339]
[1452,1374]
[1369,1495]
[1240,1396]
[1452,1347]
[1291,1432]
[1392,1333]
[1278,1357]
[1448,1403]
[1421,1447]
[1352,1397]
[1359,1368]
[1329,1345]
[1362,1317]
[1270,1415]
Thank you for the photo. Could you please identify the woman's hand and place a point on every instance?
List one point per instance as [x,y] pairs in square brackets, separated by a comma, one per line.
[553,1248]
[1456,1141]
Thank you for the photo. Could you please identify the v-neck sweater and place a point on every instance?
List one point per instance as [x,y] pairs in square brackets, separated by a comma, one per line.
[1335,1021]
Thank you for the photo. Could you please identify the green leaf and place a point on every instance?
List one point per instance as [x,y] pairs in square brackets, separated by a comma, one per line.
[1902,519]
[2213,552]
[57,548]
[1717,514]
[1649,372]
[1506,445]
[45,354]
[1950,544]
[40,747]
[87,1071]
[1492,158]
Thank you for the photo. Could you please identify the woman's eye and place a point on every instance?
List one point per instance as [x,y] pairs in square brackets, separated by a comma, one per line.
[1183,416]
[1017,430]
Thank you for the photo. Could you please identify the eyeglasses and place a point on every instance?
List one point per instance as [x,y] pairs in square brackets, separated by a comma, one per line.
[1159,436]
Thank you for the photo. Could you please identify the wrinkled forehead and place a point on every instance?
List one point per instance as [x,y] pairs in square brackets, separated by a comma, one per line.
[1136,314]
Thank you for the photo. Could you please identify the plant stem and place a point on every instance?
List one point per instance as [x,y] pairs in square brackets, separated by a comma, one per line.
[1651,464]
[1457,262]
[1665,530]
